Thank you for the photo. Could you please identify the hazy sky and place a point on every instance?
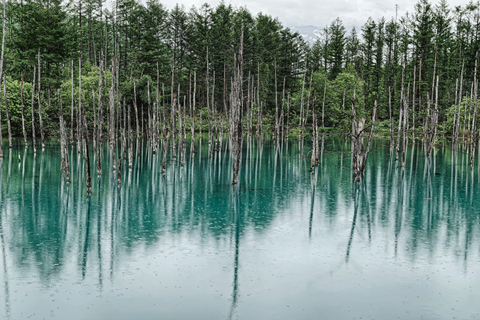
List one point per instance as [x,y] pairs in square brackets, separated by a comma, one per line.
[319,12]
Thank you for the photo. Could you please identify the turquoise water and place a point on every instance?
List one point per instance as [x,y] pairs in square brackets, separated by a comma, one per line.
[283,244]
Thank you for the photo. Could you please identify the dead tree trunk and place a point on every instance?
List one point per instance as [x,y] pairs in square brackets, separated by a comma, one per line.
[73,102]
[475,115]
[42,133]
[111,96]
[100,120]
[237,107]
[130,140]
[63,140]
[1,70]
[314,133]
[87,153]
[301,121]
[7,112]
[23,113]
[136,116]
[392,142]
[192,118]
[32,110]
[367,149]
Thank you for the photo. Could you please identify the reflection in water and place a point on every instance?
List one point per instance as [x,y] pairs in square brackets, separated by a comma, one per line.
[178,233]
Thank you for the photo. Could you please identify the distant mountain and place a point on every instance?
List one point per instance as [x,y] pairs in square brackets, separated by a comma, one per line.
[309,33]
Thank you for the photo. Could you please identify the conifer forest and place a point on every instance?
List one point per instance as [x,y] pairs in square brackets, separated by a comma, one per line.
[165,162]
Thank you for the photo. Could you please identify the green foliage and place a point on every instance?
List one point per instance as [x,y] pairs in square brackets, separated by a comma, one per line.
[15,106]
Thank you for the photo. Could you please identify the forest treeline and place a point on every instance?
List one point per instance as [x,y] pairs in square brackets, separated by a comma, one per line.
[157,56]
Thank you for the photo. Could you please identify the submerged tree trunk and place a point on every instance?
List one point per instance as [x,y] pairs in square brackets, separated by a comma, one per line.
[314,133]
[100,120]
[192,117]
[63,141]
[42,133]
[23,113]
[1,70]
[32,110]
[7,113]
[73,102]
[237,108]
[87,153]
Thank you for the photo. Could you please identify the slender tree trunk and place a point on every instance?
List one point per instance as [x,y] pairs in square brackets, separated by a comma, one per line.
[237,106]
[1,70]
[130,140]
[302,121]
[475,114]
[392,143]
[314,133]
[23,112]
[40,105]
[367,149]
[111,96]
[172,115]
[136,116]
[63,140]
[413,104]
[457,126]
[192,121]
[94,137]
[87,153]
[7,112]
[71,114]
[276,104]
[33,113]
[100,120]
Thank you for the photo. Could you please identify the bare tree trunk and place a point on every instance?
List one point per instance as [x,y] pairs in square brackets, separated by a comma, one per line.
[111,97]
[71,114]
[413,105]
[192,121]
[367,149]
[302,121]
[80,111]
[1,69]
[63,140]
[457,125]
[87,153]
[314,133]
[237,107]
[402,97]
[282,112]
[42,133]
[405,129]
[323,102]
[119,172]
[33,113]
[276,104]
[130,140]
[172,115]
[475,114]
[100,120]
[124,131]
[7,113]
[23,113]
[136,116]
[392,143]
[94,137]
[165,149]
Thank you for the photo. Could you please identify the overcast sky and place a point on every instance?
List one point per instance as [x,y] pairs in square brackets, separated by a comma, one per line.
[318,12]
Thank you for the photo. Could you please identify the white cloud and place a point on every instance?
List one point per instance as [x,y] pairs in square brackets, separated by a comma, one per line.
[319,13]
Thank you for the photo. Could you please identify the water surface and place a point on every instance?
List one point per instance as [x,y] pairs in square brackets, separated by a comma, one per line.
[283,244]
